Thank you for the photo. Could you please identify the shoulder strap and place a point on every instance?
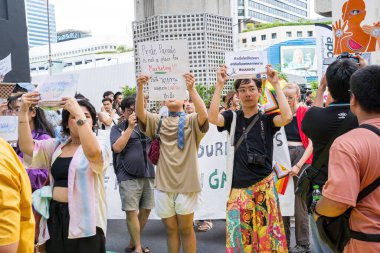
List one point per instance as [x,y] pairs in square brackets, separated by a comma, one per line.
[376,183]
[159,127]
[232,129]
[253,122]
[323,158]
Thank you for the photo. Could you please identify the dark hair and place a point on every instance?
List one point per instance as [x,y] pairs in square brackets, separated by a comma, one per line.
[107,99]
[82,101]
[12,99]
[338,76]
[239,82]
[107,93]
[308,93]
[127,102]
[41,124]
[365,85]
[117,94]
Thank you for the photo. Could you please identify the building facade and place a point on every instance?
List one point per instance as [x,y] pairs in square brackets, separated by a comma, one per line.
[39,23]
[209,34]
[71,34]
[269,11]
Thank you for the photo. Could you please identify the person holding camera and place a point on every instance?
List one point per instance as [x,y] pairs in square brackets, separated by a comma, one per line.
[324,125]
[254,222]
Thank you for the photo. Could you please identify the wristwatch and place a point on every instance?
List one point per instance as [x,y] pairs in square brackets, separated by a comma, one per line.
[81,122]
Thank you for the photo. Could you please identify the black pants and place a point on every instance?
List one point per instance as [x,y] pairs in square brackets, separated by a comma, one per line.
[58,225]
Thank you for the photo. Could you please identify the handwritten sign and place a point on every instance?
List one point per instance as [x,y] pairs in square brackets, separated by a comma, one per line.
[6,65]
[165,62]
[54,88]
[245,64]
[9,128]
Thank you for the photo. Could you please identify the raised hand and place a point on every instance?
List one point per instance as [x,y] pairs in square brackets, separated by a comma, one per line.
[221,75]
[28,100]
[132,121]
[190,81]
[272,75]
[72,106]
[142,80]
[339,29]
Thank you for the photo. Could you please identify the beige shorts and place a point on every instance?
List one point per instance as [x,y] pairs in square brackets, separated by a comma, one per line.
[136,194]
[168,204]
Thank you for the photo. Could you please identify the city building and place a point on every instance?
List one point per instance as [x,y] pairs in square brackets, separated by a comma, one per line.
[323,7]
[71,34]
[39,23]
[205,24]
[269,11]
[13,29]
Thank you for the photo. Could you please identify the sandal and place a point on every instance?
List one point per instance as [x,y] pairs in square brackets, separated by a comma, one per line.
[132,249]
[205,226]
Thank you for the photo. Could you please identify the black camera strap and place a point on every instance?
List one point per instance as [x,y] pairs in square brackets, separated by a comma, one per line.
[248,129]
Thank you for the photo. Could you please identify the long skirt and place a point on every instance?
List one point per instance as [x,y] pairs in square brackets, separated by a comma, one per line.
[254,221]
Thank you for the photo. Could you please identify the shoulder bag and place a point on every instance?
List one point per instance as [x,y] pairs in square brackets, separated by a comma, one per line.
[154,150]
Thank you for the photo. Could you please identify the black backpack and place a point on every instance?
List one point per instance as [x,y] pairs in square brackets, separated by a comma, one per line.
[335,231]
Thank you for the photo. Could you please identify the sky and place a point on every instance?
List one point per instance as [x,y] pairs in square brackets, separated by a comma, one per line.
[102,17]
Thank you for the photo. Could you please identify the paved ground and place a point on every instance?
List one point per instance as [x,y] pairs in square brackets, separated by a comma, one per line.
[154,237]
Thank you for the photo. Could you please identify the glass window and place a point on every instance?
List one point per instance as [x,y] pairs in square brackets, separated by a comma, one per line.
[240,12]
[299,34]
[253,39]
[288,34]
[244,40]
[263,37]
[274,35]
[310,33]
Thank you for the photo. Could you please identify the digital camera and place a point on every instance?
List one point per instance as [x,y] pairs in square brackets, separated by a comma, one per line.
[255,159]
[349,56]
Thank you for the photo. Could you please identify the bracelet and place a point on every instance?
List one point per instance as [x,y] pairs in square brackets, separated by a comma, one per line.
[298,166]
[20,122]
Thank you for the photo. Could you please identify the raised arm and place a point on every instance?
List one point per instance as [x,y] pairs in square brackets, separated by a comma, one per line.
[120,143]
[199,105]
[286,113]
[91,147]
[25,139]
[318,102]
[140,110]
[214,116]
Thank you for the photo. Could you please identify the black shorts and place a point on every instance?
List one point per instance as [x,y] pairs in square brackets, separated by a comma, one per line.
[58,225]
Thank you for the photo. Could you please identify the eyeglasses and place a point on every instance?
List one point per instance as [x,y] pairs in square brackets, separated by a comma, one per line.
[245,90]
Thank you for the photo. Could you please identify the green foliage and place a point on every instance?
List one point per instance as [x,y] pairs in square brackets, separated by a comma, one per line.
[281,75]
[278,23]
[127,91]
[205,92]
[314,85]
[121,49]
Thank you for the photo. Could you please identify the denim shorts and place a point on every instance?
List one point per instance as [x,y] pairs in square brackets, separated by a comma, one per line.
[136,194]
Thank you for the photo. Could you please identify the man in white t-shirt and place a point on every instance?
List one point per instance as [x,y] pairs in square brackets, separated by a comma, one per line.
[108,116]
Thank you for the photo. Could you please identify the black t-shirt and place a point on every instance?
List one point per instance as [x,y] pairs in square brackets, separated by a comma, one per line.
[245,174]
[291,131]
[131,163]
[321,124]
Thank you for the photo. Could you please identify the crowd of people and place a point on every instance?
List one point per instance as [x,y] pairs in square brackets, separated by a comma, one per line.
[52,195]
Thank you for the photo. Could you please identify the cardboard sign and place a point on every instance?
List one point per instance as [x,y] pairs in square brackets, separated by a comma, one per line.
[6,65]
[356,26]
[165,62]
[245,64]
[9,128]
[54,88]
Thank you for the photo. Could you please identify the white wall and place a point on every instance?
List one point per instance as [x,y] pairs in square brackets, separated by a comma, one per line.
[93,82]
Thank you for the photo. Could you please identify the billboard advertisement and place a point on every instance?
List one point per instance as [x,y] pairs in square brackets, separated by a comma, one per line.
[299,60]
[356,26]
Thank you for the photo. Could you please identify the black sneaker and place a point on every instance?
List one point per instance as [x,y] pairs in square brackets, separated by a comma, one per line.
[300,249]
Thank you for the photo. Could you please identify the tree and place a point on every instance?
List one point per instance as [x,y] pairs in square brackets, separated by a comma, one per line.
[121,49]
[206,93]
[127,91]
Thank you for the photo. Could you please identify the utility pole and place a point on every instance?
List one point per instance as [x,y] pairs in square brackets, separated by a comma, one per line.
[48,18]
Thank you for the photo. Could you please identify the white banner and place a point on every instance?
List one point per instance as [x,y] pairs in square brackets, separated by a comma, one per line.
[165,62]
[9,128]
[212,156]
[324,47]
[6,65]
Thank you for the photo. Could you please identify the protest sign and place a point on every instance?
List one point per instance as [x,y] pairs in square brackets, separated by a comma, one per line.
[165,62]
[356,26]
[6,65]
[9,128]
[245,64]
[54,88]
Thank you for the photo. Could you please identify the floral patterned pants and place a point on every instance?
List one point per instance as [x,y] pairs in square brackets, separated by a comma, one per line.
[254,222]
